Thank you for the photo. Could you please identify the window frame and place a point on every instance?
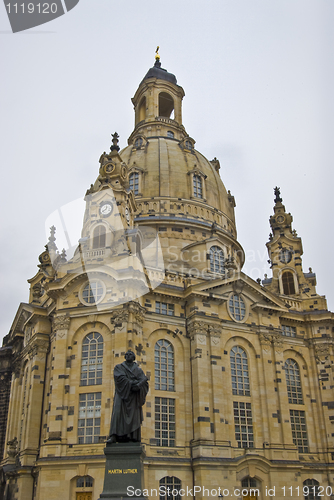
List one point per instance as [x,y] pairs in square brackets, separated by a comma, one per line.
[100,285]
[99,240]
[243,424]
[173,483]
[160,307]
[298,418]
[169,361]
[232,307]
[288,287]
[293,382]
[84,437]
[136,176]
[213,252]
[165,422]
[242,387]
[289,331]
[94,340]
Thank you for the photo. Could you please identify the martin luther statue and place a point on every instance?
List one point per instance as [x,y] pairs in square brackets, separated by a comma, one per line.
[131,388]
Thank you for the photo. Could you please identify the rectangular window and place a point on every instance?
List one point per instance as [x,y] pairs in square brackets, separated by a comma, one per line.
[197,184]
[134,182]
[164,308]
[243,424]
[89,418]
[299,432]
[165,422]
[289,331]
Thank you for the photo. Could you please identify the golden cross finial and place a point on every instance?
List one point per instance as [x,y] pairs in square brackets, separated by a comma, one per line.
[157,56]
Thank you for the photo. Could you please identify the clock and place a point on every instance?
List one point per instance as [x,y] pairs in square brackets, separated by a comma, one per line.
[109,167]
[280,219]
[127,215]
[106,208]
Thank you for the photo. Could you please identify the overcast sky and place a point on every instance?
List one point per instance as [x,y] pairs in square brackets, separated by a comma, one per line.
[258,78]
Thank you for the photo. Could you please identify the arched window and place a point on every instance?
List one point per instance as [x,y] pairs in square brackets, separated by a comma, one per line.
[166,105]
[85,482]
[171,486]
[134,182]
[92,358]
[99,237]
[138,142]
[239,372]
[288,283]
[188,145]
[142,109]
[170,134]
[311,490]
[197,185]
[250,489]
[164,365]
[217,260]
[293,382]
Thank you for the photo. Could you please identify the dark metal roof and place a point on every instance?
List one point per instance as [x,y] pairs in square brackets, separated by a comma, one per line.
[162,74]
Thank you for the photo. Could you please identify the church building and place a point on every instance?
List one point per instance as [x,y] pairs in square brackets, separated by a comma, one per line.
[241,397]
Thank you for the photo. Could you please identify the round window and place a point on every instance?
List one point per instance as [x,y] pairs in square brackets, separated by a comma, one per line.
[237,307]
[93,292]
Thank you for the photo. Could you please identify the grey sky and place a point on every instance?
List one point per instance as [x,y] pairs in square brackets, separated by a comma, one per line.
[258,78]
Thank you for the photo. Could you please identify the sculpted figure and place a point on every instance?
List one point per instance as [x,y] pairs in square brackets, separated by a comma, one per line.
[131,387]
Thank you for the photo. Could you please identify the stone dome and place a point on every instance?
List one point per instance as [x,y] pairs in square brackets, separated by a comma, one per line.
[167,169]
[176,188]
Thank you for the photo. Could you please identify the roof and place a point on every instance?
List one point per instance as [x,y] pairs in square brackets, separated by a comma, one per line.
[158,72]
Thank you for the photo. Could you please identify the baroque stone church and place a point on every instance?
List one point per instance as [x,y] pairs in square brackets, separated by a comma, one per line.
[240,371]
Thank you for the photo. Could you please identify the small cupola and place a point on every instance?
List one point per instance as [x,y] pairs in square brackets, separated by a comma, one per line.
[158,105]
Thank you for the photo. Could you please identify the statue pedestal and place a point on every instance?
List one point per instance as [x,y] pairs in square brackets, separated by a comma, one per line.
[123,472]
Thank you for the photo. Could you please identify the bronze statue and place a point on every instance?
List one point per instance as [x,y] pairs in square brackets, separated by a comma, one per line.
[131,387]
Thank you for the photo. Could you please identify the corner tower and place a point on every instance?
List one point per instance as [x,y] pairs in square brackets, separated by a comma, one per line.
[285,251]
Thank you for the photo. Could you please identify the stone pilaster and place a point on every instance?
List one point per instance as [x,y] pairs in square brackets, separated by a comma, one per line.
[201,375]
[58,378]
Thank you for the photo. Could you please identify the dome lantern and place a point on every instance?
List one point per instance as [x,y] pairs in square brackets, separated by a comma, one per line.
[158,105]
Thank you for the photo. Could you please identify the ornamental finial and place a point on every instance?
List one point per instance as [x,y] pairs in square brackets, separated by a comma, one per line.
[115,146]
[157,63]
[277,192]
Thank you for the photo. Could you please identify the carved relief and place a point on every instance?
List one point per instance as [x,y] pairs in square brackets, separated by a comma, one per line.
[61,322]
[119,315]
[138,311]
[38,349]
[198,327]
[271,338]
[200,330]
[265,341]
[277,342]
[12,449]
[322,352]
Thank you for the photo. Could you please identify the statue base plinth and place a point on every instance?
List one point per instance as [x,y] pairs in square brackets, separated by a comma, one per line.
[123,472]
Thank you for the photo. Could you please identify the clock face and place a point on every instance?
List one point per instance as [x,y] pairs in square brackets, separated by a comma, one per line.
[106,209]
[109,167]
[280,219]
[285,256]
